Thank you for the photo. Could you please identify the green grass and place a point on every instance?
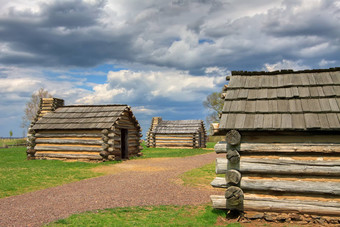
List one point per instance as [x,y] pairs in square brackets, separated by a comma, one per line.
[18,175]
[147,216]
[174,152]
[200,177]
[12,142]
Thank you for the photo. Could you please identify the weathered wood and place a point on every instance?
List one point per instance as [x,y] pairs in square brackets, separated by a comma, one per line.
[220,147]
[233,137]
[68,148]
[67,141]
[233,156]
[71,156]
[234,195]
[245,148]
[104,154]
[233,177]
[57,135]
[105,131]
[278,205]
[300,187]
[283,167]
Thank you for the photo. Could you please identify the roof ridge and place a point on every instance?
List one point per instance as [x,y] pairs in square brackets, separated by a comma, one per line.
[284,71]
[93,105]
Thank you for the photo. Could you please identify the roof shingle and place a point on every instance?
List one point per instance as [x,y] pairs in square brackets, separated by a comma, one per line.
[286,100]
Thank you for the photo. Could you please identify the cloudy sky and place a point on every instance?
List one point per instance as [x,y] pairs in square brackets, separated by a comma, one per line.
[160,57]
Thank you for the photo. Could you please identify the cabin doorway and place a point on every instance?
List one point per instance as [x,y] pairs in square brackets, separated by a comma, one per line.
[124,146]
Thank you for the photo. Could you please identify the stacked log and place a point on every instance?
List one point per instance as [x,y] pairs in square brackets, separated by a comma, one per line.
[174,140]
[67,144]
[105,145]
[30,144]
[49,104]
[290,176]
[234,195]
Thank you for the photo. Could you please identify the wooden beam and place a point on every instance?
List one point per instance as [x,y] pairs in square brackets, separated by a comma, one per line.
[282,167]
[278,205]
[252,148]
[71,156]
[300,187]
[57,135]
[68,148]
[68,141]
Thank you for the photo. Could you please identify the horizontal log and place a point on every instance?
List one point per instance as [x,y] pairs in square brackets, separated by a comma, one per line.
[303,187]
[174,135]
[282,167]
[220,147]
[70,156]
[68,148]
[278,205]
[246,148]
[174,145]
[68,141]
[57,135]
[174,142]
[174,138]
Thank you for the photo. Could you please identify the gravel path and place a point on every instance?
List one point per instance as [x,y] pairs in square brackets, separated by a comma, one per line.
[132,183]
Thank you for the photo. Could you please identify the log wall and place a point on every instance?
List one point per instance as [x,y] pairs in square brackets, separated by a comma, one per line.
[66,144]
[174,140]
[94,145]
[282,173]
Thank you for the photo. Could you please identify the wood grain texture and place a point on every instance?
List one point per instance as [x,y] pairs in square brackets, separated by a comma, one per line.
[282,167]
[299,187]
[285,205]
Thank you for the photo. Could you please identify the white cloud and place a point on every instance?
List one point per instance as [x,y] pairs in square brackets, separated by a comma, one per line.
[326,63]
[285,64]
[130,86]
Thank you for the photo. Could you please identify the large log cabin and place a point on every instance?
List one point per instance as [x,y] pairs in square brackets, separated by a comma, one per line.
[283,142]
[180,133]
[83,132]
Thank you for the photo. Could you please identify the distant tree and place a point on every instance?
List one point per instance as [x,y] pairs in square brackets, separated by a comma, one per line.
[10,133]
[32,107]
[214,104]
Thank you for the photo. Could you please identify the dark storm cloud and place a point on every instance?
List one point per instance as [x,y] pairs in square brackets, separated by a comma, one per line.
[65,33]
[179,34]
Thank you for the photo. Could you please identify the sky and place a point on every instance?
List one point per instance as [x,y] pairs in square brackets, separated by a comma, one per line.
[162,58]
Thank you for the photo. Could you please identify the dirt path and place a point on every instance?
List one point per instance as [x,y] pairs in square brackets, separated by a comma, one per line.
[131,183]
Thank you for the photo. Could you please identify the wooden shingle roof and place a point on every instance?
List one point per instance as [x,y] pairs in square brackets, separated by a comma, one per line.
[281,101]
[82,117]
[177,127]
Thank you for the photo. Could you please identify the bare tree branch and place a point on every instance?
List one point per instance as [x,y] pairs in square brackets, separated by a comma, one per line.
[32,106]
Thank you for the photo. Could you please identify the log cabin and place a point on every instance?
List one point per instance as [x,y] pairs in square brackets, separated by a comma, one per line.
[282,144]
[180,133]
[83,132]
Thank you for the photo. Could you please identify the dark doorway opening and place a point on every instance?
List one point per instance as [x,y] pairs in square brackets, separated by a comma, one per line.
[124,143]
[199,139]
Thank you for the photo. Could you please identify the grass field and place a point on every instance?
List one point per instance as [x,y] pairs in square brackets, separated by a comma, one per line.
[12,142]
[18,175]
[174,152]
[202,215]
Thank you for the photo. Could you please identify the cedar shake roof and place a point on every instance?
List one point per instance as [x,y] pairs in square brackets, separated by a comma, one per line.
[282,100]
[177,127]
[82,117]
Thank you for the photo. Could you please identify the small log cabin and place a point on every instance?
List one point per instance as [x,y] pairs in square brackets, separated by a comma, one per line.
[86,132]
[282,142]
[181,133]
